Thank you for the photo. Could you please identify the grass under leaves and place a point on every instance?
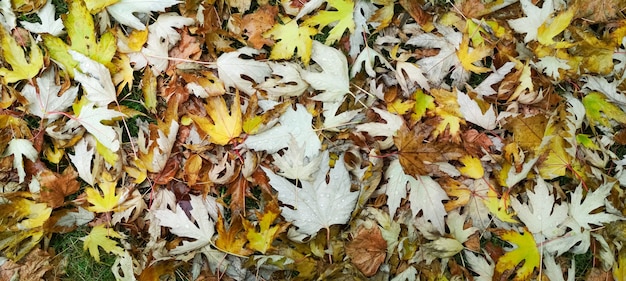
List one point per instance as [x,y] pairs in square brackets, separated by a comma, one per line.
[80,265]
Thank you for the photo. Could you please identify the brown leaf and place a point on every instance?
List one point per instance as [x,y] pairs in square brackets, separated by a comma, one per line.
[32,268]
[527,132]
[54,186]
[368,250]
[414,8]
[238,190]
[259,22]
[417,155]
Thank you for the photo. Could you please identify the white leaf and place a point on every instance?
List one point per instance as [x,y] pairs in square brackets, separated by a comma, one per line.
[124,10]
[368,57]
[161,37]
[540,214]
[377,129]
[293,123]
[484,88]
[318,204]
[600,84]
[396,186]
[95,79]
[332,120]
[71,219]
[7,17]
[550,65]
[91,118]
[456,225]
[165,143]
[535,17]
[309,7]
[480,266]
[46,103]
[290,84]
[83,154]
[48,23]
[20,148]
[414,74]
[473,114]
[426,195]
[163,28]
[439,66]
[581,211]
[231,67]
[123,264]
[409,274]
[363,10]
[294,165]
[333,80]
[201,229]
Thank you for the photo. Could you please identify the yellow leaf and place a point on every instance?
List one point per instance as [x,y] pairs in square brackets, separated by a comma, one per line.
[619,266]
[81,32]
[498,207]
[383,15]
[600,110]
[526,252]
[469,57]
[291,38]
[262,239]
[423,102]
[546,32]
[105,202]
[224,126]
[100,236]
[557,161]
[14,55]
[341,16]
[449,111]
[399,106]
[473,167]
[21,226]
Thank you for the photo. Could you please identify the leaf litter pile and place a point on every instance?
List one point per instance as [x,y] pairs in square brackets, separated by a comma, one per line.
[321,139]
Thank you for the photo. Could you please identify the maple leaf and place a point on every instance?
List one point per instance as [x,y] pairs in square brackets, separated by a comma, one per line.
[484,267]
[261,239]
[581,210]
[541,214]
[100,237]
[180,224]
[45,102]
[294,165]
[417,156]
[342,16]
[90,117]
[293,123]
[525,251]
[333,80]
[48,23]
[222,127]
[105,202]
[317,204]
[82,160]
[449,110]
[437,67]
[20,148]
[485,87]
[13,54]
[473,113]
[231,67]
[233,239]
[81,32]
[124,10]
[368,249]
[550,65]
[368,57]
[468,56]
[95,79]
[535,17]
[600,110]
[257,23]
[378,129]
[287,83]
[546,32]
[54,186]
[291,38]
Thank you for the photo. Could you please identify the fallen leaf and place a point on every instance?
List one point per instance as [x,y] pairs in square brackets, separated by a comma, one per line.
[368,250]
